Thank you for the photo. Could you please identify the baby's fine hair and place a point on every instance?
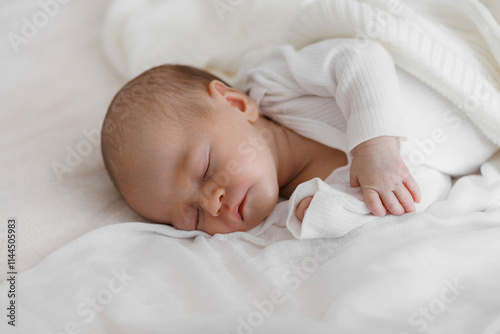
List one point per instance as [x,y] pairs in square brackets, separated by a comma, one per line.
[166,93]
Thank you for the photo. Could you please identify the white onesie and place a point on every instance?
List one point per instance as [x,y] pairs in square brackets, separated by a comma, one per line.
[342,92]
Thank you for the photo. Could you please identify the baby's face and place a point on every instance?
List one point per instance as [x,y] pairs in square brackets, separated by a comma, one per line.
[217,176]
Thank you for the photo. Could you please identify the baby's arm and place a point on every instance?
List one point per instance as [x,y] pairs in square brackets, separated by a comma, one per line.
[361,77]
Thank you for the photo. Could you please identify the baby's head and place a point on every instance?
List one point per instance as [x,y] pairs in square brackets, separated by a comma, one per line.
[182,148]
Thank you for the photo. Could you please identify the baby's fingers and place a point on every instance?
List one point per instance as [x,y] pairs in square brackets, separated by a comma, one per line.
[413,188]
[392,203]
[405,198]
[373,202]
[302,208]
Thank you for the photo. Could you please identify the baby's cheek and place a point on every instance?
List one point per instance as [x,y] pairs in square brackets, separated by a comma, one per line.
[234,168]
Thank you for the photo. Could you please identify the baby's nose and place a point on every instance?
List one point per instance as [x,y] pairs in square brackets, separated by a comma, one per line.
[213,202]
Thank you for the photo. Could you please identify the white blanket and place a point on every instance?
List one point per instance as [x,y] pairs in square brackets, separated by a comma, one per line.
[435,271]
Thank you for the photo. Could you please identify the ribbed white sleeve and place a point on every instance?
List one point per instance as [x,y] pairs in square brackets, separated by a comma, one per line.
[359,75]
[332,213]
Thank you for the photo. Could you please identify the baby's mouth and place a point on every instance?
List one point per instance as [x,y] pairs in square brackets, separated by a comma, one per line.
[240,207]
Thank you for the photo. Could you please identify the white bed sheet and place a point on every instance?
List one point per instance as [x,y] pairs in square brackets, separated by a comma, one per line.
[56,87]
[434,272]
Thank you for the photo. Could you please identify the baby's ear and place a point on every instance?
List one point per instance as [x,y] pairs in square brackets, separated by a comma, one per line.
[218,89]
[235,98]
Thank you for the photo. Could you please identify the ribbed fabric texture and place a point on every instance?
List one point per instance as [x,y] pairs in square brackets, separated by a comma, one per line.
[337,209]
[341,95]
[363,83]
[453,46]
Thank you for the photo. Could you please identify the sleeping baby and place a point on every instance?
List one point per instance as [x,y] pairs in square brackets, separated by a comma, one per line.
[186,149]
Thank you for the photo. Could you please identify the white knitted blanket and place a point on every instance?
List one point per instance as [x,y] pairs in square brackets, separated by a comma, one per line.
[452,45]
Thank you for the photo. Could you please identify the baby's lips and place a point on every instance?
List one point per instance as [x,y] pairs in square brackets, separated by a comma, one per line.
[241,206]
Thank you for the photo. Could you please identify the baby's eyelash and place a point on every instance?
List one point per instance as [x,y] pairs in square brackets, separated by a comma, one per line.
[208,168]
[198,217]
[207,173]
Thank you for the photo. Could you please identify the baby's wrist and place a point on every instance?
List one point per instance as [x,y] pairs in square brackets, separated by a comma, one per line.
[375,142]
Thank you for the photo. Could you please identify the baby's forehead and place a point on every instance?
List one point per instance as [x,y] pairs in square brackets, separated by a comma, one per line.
[162,137]
[167,141]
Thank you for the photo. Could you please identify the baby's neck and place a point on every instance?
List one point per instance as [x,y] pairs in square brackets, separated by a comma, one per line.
[300,159]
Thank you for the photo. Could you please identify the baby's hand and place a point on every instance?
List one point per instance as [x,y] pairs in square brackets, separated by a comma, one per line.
[302,207]
[386,182]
